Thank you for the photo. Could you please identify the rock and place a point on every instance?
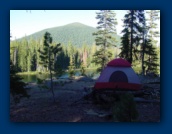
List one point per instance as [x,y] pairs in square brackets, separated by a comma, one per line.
[85,79]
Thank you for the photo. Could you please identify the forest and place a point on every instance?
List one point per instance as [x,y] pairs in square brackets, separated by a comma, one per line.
[78,40]
[80,47]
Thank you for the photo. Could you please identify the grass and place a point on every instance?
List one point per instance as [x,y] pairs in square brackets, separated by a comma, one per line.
[36,72]
[26,73]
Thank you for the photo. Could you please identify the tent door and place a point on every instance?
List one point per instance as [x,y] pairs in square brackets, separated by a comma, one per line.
[118,76]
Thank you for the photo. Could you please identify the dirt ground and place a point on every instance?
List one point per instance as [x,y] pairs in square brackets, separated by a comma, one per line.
[70,106]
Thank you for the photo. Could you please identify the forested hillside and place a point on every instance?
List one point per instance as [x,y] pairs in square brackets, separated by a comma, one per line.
[24,55]
[85,45]
[76,40]
[75,33]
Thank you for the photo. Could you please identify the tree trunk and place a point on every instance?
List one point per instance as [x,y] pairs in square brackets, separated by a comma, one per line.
[131,45]
[52,90]
[143,53]
[105,40]
[15,56]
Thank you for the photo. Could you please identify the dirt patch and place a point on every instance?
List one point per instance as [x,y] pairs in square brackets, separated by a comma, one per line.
[70,106]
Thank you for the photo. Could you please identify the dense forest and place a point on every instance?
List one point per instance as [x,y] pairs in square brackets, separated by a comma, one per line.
[76,40]
[75,33]
[25,56]
[82,45]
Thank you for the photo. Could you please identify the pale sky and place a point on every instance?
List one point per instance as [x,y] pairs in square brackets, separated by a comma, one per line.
[26,22]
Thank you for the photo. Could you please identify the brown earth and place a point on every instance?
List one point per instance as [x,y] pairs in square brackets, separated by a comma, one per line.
[70,106]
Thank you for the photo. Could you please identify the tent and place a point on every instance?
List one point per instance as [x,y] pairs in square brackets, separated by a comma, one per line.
[118,74]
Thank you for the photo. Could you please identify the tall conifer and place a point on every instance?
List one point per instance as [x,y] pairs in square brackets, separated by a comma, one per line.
[104,37]
[133,22]
[47,56]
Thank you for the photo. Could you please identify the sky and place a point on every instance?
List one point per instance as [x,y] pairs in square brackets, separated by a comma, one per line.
[26,22]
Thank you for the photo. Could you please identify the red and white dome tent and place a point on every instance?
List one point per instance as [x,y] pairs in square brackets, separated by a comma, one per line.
[118,74]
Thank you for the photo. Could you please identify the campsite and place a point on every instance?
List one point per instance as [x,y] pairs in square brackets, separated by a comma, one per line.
[120,49]
[73,103]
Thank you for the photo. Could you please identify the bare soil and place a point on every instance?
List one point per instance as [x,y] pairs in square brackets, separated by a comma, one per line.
[70,105]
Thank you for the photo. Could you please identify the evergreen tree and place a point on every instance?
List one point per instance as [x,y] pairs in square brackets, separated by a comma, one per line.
[71,66]
[17,87]
[71,53]
[34,61]
[83,69]
[153,16]
[92,52]
[104,37]
[133,22]
[84,54]
[62,58]
[158,61]
[125,49]
[22,55]
[28,57]
[125,109]
[46,56]
[151,61]
[144,30]
[14,54]
[39,47]
[99,58]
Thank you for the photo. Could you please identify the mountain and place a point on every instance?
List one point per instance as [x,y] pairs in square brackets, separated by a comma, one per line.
[75,33]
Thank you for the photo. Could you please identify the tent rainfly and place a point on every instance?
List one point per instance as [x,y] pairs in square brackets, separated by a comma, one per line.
[118,74]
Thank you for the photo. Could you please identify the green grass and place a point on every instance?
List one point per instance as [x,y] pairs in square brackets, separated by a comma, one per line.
[36,72]
[30,73]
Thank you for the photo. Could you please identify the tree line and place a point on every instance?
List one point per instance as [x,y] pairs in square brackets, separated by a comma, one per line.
[138,43]
[25,55]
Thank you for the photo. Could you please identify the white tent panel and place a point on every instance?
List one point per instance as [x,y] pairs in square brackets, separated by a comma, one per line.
[132,76]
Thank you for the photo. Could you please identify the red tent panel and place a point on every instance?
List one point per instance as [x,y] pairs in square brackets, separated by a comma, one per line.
[119,62]
[117,85]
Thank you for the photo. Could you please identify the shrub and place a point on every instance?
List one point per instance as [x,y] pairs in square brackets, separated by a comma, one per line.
[125,110]
[39,81]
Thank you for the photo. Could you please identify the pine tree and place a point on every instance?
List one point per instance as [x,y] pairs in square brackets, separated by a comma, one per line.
[125,49]
[83,69]
[17,87]
[104,37]
[22,55]
[34,61]
[39,47]
[28,57]
[151,61]
[125,109]
[133,22]
[47,56]
[153,16]
[144,30]
[84,54]
[71,54]
[71,66]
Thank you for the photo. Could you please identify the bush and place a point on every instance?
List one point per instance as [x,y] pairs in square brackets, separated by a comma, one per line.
[125,109]
[18,88]
[40,81]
